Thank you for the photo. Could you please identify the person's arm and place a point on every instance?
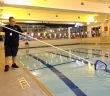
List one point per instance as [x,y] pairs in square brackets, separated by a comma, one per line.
[19,29]
[2,29]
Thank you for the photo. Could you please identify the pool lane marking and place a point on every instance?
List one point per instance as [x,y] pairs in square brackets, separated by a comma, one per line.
[66,80]
[54,65]
[108,70]
[66,56]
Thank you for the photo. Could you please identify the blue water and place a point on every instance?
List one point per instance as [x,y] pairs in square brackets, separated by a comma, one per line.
[63,75]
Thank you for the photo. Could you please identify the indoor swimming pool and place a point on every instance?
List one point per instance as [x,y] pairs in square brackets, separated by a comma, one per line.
[66,75]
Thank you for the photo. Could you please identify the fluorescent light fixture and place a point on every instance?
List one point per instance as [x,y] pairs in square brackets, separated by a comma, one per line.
[90,19]
[30,21]
[71,23]
[5,15]
[17,2]
[78,24]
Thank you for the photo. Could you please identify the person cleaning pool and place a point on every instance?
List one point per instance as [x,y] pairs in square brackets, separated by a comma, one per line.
[11,43]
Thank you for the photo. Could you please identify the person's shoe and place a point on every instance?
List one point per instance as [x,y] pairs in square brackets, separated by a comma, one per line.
[14,66]
[6,68]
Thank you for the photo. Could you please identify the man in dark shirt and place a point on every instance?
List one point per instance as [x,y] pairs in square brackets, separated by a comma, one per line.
[11,43]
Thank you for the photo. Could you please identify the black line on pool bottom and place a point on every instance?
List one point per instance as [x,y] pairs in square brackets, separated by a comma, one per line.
[68,82]
[108,70]
[53,65]
[66,56]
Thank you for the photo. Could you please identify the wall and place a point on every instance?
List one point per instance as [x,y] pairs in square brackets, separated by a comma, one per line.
[61,42]
[102,24]
[102,40]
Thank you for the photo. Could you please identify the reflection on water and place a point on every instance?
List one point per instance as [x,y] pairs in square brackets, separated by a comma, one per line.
[91,82]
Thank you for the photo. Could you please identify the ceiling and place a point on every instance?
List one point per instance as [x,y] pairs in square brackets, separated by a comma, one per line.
[52,15]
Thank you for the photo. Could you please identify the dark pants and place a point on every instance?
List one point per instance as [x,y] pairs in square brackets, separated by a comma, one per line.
[11,51]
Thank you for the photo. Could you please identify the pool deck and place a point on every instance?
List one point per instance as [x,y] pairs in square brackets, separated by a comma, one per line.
[19,82]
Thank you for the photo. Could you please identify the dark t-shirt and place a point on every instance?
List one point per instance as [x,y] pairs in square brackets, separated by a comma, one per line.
[11,37]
